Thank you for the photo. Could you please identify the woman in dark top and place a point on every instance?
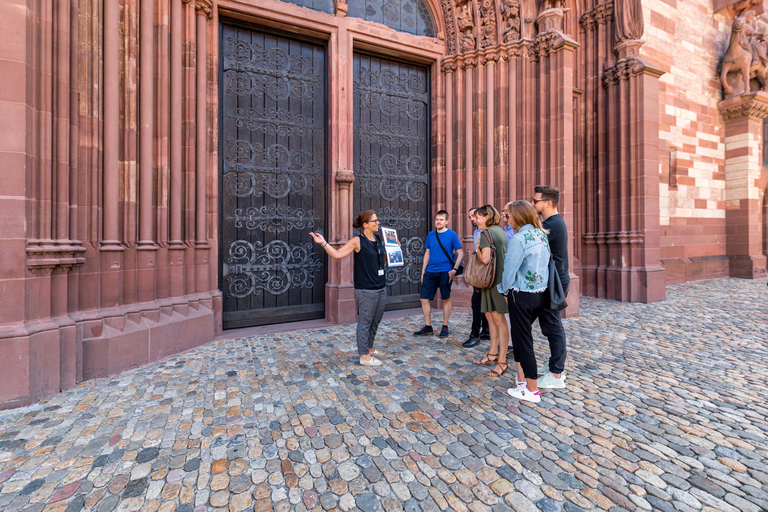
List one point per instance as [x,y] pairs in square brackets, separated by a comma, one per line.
[492,302]
[370,281]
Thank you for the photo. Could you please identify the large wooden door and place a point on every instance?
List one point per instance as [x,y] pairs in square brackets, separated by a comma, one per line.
[273,177]
[391,152]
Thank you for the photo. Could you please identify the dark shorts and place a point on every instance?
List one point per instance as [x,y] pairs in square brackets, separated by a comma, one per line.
[433,281]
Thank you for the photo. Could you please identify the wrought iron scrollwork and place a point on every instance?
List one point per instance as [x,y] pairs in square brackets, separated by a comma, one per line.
[391,177]
[275,267]
[398,218]
[273,121]
[256,71]
[252,169]
[413,258]
[394,94]
[390,135]
[273,218]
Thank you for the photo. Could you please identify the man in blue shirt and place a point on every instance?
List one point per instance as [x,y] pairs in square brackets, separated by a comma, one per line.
[438,271]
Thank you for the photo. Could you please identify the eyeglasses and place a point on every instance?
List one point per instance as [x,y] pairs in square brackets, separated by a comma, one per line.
[373,221]
[505,215]
[534,200]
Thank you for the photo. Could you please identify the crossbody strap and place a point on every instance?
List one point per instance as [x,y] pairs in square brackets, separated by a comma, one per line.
[437,235]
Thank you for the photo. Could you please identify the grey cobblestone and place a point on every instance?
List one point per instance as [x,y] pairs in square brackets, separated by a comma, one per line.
[290,421]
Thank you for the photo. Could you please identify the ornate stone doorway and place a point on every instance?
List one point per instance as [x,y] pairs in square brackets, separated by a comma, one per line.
[391,155]
[273,112]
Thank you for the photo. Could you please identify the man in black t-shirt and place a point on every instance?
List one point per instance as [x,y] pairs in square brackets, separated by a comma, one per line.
[545,200]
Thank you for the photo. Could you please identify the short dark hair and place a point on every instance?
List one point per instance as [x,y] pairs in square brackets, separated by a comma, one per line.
[443,213]
[473,209]
[548,193]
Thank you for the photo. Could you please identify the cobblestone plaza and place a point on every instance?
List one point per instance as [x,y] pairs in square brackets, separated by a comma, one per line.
[665,409]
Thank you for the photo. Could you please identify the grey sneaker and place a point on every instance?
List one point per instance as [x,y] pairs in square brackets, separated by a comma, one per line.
[370,362]
[548,381]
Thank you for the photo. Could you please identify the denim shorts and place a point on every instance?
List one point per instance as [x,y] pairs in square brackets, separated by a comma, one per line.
[432,281]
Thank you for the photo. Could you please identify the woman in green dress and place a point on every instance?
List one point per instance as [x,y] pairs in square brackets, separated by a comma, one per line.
[492,303]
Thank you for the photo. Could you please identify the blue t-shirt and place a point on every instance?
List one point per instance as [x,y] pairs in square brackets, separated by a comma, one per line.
[437,260]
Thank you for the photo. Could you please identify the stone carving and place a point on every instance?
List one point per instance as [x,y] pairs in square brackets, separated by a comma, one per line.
[510,16]
[528,13]
[450,40]
[746,57]
[629,19]
[466,24]
[487,23]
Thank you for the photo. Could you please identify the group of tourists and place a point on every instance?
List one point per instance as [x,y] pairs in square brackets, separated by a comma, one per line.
[532,234]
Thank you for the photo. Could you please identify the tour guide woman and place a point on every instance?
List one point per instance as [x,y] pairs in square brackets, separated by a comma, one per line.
[370,281]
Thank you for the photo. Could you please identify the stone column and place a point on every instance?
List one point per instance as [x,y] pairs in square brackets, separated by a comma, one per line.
[111,284]
[147,249]
[203,11]
[631,240]
[745,179]
[176,247]
[339,291]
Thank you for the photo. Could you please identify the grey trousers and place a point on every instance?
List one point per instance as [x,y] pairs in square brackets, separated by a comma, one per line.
[370,309]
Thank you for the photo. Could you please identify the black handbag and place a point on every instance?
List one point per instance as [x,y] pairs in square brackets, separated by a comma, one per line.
[459,270]
[555,288]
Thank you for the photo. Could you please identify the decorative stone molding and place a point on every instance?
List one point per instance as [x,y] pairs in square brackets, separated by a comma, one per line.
[54,253]
[204,7]
[752,106]
[600,15]
[603,13]
[487,28]
[341,8]
[345,178]
[615,238]
[465,21]
[624,69]
[543,45]
[450,26]
[449,65]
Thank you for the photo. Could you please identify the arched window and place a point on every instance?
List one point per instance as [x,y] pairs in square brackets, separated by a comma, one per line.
[410,16]
[328,6]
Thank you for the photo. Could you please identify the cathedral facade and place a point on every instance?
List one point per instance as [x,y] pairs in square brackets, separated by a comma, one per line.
[165,160]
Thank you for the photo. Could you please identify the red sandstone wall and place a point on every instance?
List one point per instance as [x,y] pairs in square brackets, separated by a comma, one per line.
[686,40]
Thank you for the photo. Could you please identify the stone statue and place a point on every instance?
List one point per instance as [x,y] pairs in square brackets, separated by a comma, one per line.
[629,19]
[464,17]
[510,14]
[746,56]
[467,42]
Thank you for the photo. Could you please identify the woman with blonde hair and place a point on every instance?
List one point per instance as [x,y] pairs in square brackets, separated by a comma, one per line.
[526,271]
[370,281]
[492,303]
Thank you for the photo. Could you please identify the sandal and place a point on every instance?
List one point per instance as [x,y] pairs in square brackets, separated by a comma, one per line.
[488,358]
[494,373]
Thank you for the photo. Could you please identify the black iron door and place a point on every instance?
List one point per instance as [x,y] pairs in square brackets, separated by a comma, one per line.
[391,151]
[273,175]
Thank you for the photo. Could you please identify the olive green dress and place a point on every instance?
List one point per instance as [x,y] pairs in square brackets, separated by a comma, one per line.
[491,299]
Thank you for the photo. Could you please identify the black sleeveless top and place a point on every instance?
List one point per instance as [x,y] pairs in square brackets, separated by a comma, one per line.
[368,261]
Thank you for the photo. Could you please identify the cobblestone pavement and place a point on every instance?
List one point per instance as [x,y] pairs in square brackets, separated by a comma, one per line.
[665,410]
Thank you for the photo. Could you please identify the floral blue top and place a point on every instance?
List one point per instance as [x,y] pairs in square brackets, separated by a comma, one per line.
[526,265]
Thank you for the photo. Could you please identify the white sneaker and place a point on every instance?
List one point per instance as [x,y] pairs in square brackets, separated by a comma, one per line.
[522,393]
[370,362]
[377,352]
[549,381]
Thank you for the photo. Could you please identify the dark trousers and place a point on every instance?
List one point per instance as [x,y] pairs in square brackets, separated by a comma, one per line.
[551,324]
[524,308]
[370,310]
[478,318]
